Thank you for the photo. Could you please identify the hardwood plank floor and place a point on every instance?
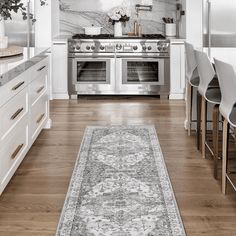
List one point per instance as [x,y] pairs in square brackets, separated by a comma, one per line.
[32,202]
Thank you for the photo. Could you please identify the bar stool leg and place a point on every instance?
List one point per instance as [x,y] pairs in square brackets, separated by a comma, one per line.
[215,134]
[189,106]
[225,155]
[203,115]
[198,120]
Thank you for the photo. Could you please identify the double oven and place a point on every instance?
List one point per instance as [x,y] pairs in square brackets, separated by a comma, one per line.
[92,74]
[107,68]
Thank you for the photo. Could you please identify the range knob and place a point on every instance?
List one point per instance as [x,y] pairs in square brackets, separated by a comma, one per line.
[164,48]
[88,47]
[93,48]
[77,47]
[144,48]
[102,47]
[135,48]
[149,48]
[159,48]
[118,46]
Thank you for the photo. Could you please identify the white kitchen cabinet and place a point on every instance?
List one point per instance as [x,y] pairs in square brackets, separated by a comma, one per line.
[23,115]
[12,112]
[13,150]
[59,70]
[12,88]
[177,70]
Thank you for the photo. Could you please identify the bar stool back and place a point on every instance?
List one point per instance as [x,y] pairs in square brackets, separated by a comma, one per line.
[192,78]
[210,94]
[191,71]
[227,81]
[206,72]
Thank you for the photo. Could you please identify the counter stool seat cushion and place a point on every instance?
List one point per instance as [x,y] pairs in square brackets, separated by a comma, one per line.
[232,117]
[213,95]
[195,81]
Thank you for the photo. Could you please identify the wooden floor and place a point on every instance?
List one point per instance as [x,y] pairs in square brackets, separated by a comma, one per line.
[33,200]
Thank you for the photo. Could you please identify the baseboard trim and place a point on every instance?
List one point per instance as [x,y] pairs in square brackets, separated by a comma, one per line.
[177,96]
[48,124]
[60,96]
[186,124]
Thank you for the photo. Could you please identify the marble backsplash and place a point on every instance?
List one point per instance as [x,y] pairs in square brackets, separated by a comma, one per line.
[76,14]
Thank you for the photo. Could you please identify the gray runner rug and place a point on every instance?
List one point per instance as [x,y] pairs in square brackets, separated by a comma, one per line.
[120,186]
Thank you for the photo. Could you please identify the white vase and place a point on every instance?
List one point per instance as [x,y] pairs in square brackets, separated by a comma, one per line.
[118,29]
[3,38]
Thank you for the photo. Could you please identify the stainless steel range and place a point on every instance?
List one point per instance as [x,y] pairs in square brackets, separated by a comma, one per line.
[119,66]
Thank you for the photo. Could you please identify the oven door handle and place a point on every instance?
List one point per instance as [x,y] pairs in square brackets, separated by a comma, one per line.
[145,58]
[89,56]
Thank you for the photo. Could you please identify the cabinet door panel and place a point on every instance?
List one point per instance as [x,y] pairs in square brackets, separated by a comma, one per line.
[39,115]
[12,151]
[177,71]
[12,88]
[39,69]
[59,70]
[37,88]
[12,112]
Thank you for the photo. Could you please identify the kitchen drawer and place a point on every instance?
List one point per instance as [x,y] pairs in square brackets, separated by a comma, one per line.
[12,151]
[39,115]
[37,88]
[40,69]
[12,88]
[12,112]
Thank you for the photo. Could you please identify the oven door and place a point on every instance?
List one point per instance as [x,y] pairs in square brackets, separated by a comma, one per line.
[142,75]
[94,75]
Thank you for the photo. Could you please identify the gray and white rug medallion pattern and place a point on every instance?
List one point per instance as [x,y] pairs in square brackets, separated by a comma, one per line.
[120,186]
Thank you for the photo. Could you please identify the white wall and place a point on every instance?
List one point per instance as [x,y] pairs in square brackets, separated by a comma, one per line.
[194,22]
[47,24]
[55,17]
[182,32]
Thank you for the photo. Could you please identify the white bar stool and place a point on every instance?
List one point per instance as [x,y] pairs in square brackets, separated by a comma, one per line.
[210,92]
[227,81]
[193,81]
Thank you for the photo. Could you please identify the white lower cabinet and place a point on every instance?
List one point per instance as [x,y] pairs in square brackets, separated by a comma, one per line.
[60,70]
[39,116]
[177,70]
[22,117]
[12,112]
[38,87]
[13,149]
[13,87]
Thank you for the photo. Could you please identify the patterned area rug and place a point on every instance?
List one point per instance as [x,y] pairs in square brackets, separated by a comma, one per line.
[120,186]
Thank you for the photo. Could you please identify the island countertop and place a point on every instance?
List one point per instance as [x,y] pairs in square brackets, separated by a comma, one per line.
[11,67]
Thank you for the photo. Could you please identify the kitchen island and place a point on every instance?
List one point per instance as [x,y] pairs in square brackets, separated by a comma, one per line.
[24,107]
[10,67]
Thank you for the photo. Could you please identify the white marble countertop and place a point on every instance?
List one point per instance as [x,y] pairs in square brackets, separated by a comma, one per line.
[62,38]
[176,39]
[11,67]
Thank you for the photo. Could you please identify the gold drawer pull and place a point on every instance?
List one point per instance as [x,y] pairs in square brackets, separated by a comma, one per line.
[40,118]
[41,68]
[17,113]
[15,153]
[18,86]
[40,89]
